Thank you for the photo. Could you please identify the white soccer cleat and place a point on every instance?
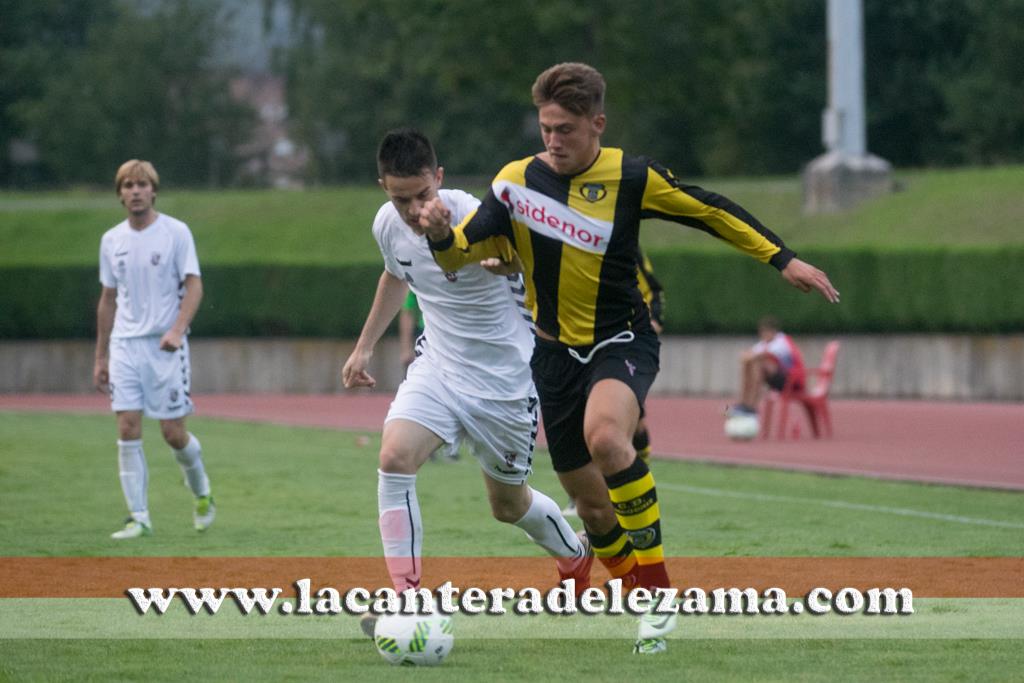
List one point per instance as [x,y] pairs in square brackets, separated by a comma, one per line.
[368,623]
[570,509]
[204,513]
[650,637]
[132,529]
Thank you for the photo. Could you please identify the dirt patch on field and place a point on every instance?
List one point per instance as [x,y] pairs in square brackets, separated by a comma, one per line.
[109,577]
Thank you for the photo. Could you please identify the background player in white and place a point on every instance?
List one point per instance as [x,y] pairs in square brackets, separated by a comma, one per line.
[471,378]
[151,289]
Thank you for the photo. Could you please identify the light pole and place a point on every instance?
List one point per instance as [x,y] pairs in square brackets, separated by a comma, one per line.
[846,173]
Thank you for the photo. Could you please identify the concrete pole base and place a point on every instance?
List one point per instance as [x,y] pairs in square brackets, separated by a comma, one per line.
[835,183]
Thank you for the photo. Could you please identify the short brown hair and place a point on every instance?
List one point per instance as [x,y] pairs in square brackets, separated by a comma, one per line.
[136,169]
[769,322]
[578,88]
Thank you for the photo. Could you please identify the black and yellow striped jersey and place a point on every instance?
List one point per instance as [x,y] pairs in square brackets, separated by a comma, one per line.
[650,288]
[577,237]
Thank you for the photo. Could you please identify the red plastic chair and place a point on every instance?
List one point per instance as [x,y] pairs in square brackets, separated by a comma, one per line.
[814,399]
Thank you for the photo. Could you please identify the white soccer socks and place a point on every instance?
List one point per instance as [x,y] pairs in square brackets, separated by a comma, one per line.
[545,525]
[134,478]
[135,483]
[191,460]
[401,528]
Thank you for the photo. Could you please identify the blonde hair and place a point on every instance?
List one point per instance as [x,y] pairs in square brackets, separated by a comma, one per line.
[136,169]
[578,88]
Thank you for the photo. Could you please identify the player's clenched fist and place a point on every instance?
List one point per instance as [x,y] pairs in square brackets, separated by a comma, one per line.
[435,219]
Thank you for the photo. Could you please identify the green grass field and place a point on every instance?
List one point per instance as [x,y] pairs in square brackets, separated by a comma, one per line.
[329,226]
[310,492]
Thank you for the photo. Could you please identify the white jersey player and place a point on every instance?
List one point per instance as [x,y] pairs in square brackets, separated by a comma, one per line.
[151,289]
[470,382]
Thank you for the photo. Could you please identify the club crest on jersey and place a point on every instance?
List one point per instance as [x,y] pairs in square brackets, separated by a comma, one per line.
[451,277]
[154,258]
[593,192]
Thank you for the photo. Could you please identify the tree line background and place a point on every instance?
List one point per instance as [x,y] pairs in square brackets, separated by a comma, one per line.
[709,87]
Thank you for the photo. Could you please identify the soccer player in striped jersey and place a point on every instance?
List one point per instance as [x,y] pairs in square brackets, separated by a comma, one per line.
[470,380]
[573,214]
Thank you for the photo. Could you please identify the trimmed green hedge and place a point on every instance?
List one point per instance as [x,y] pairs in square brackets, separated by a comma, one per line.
[238,301]
[960,289]
[921,290]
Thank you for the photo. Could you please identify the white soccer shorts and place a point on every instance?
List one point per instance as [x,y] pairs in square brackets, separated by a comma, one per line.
[142,377]
[501,434]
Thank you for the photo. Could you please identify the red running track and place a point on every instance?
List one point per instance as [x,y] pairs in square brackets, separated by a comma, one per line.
[968,444]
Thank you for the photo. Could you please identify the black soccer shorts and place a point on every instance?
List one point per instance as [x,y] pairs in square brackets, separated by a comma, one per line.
[564,384]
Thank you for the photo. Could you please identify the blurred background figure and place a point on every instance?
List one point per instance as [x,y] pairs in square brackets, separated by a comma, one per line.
[769,362]
[410,327]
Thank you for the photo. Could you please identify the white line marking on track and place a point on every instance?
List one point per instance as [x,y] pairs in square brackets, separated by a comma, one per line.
[841,504]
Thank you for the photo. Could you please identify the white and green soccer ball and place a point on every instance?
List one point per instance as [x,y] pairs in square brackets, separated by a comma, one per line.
[414,639]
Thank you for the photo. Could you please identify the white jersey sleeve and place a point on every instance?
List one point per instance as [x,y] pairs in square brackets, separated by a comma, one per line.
[185,258]
[107,278]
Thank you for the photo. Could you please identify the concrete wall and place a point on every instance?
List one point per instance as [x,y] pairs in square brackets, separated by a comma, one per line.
[903,366]
[883,366]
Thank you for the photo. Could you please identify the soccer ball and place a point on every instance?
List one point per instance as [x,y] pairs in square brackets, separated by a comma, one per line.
[742,427]
[414,639]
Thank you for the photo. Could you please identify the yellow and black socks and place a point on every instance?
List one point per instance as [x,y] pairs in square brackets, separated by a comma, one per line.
[642,443]
[635,500]
[615,551]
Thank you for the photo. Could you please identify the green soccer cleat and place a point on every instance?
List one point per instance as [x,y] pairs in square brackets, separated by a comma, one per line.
[132,529]
[204,513]
[650,646]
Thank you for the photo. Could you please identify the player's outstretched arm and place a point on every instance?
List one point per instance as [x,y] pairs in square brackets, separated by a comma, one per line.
[806,277]
[391,292]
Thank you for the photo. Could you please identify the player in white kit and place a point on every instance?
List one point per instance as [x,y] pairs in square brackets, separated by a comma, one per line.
[151,289]
[471,379]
